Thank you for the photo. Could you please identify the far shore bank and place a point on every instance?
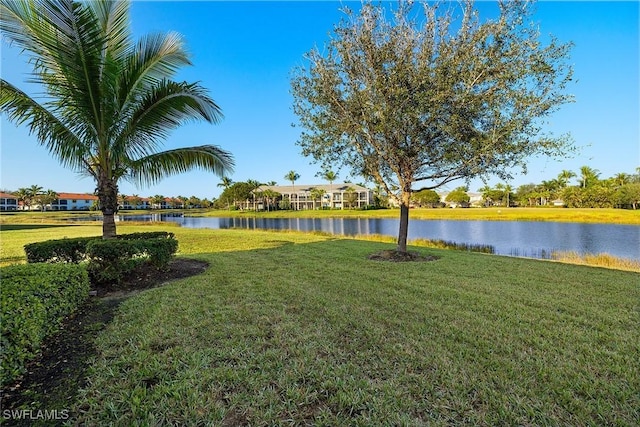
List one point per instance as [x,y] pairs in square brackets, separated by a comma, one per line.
[594,216]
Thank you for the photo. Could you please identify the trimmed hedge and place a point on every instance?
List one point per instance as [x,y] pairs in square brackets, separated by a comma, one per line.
[61,250]
[75,250]
[35,298]
[110,260]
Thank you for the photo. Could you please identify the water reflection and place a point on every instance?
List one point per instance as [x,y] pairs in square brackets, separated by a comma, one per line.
[532,239]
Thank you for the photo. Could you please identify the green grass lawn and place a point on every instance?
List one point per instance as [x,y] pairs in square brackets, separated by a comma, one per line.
[291,329]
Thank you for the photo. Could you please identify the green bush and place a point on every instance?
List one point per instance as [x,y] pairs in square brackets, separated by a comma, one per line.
[75,250]
[35,298]
[61,250]
[108,261]
[111,260]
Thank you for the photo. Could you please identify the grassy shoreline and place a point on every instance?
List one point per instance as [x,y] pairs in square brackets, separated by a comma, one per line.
[601,216]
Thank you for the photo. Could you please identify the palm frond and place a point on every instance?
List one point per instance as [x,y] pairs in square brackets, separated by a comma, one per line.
[61,141]
[155,58]
[167,106]
[114,20]
[151,169]
[66,43]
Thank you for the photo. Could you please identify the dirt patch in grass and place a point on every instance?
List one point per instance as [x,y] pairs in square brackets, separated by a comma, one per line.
[397,256]
[54,378]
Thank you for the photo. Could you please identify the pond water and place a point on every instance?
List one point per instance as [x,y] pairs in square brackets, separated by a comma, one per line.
[528,239]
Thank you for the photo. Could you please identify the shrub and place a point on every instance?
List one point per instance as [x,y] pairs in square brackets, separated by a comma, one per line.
[108,261]
[61,250]
[111,260]
[75,250]
[35,298]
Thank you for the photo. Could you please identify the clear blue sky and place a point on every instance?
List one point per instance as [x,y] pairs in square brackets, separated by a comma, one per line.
[243,52]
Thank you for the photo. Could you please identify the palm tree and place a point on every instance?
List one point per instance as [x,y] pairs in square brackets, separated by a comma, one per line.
[487,192]
[293,176]
[622,178]
[24,195]
[156,201]
[317,194]
[331,176]
[45,198]
[507,192]
[253,186]
[122,200]
[28,195]
[110,101]
[225,183]
[564,177]
[350,196]
[588,176]
[183,201]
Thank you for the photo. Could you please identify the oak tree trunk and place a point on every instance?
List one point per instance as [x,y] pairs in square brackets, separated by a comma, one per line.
[405,199]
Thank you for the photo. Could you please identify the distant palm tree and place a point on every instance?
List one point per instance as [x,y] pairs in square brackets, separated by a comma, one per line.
[565,176]
[156,201]
[507,193]
[316,194]
[272,183]
[331,176]
[350,196]
[293,176]
[622,178]
[253,186]
[487,193]
[183,201]
[28,195]
[588,176]
[122,200]
[23,195]
[46,198]
[225,183]
[110,101]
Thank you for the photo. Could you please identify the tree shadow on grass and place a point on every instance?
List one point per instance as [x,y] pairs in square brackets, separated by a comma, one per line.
[12,227]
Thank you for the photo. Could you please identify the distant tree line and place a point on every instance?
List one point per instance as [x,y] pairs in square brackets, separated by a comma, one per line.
[35,196]
[589,191]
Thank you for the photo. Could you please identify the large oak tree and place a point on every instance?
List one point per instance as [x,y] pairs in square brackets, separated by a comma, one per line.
[430,94]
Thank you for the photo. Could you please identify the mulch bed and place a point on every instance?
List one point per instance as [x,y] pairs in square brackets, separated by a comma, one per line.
[53,379]
[393,255]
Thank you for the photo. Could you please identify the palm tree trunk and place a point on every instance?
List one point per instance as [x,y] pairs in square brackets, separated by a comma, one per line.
[404,221]
[108,197]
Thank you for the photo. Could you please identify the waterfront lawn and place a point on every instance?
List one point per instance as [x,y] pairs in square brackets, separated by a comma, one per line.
[290,328]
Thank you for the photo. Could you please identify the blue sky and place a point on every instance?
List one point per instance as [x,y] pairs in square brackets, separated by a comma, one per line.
[244,52]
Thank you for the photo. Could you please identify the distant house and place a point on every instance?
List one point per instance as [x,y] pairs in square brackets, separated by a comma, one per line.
[74,202]
[8,202]
[475,199]
[133,203]
[299,197]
